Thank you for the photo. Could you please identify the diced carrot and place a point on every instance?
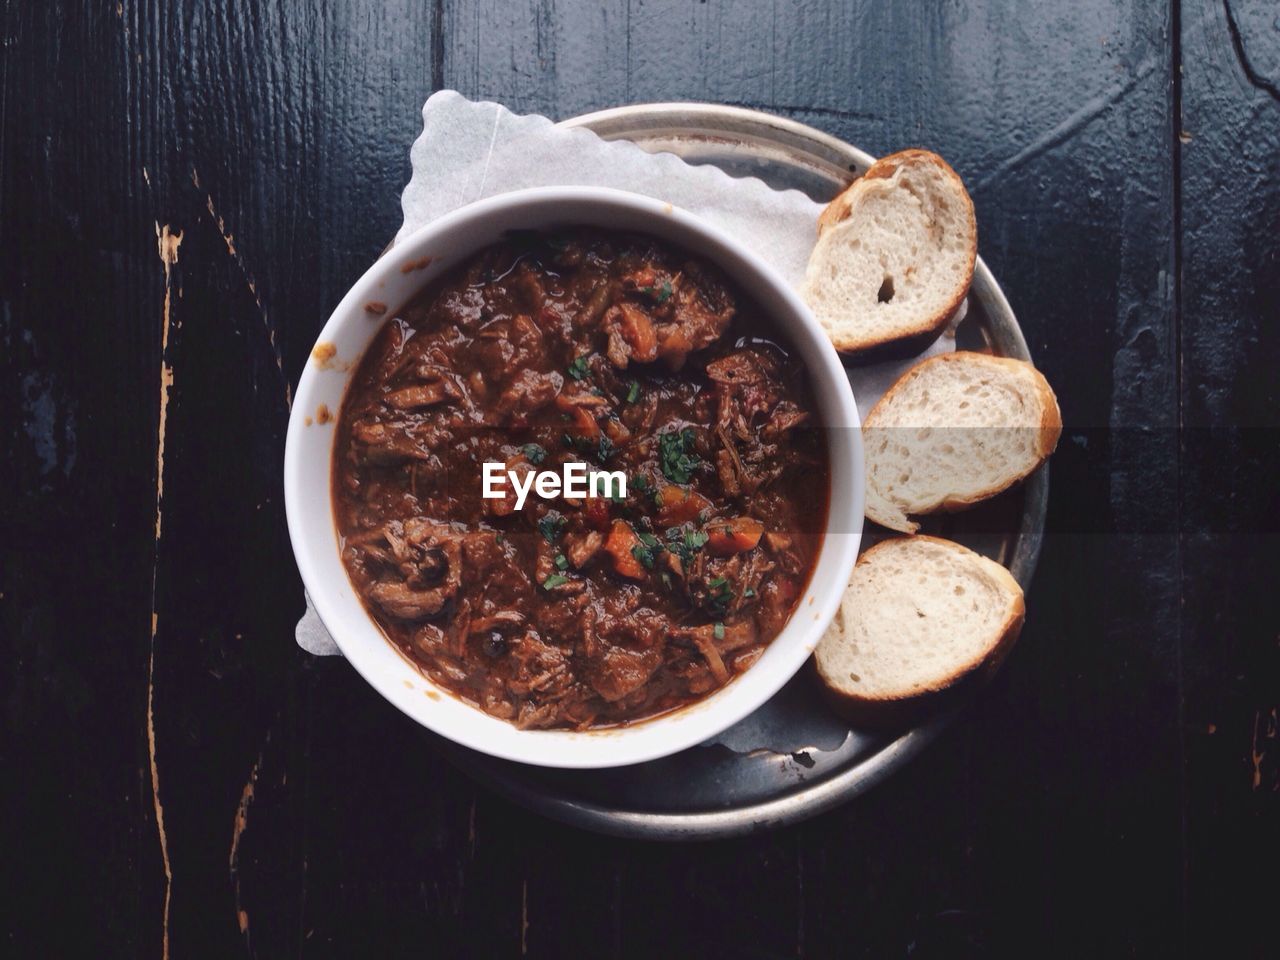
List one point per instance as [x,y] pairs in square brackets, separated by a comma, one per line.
[727,537]
[617,432]
[619,546]
[679,505]
[582,422]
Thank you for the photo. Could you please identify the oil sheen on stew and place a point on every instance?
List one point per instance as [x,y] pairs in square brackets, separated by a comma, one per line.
[623,353]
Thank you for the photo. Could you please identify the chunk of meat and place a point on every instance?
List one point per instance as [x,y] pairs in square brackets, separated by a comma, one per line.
[707,647]
[596,513]
[620,671]
[701,311]
[501,621]
[423,395]
[595,306]
[582,548]
[732,471]
[732,636]
[785,416]
[529,391]
[437,551]
[631,335]
[402,601]
[539,669]
[387,443]
[743,366]
[727,470]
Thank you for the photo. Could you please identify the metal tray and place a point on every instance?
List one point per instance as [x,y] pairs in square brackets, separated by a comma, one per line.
[792,758]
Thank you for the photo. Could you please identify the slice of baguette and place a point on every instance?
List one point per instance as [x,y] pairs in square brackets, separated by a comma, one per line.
[894,257]
[952,431]
[918,616]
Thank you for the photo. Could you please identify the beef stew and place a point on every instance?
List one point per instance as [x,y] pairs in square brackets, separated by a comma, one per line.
[623,353]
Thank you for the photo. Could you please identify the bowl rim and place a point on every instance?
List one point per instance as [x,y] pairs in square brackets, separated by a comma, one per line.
[686,726]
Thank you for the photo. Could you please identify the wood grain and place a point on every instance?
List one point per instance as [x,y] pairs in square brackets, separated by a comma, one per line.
[186,783]
[1230,298]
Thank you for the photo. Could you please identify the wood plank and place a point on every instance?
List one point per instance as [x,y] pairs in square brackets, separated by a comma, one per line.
[1230,293]
[77,418]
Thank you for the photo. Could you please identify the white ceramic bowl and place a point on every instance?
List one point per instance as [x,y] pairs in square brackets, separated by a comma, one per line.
[393,280]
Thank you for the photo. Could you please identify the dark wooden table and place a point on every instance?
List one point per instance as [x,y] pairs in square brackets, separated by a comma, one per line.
[187,190]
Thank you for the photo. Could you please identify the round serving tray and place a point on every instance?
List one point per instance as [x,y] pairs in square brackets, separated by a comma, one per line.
[792,758]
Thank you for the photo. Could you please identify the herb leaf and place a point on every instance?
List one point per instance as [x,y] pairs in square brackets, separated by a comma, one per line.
[661,293]
[633,393]
[578,369]
[535,453]
[685,543]
[719,594]
[644,555]
[676,456]
[718,631]
[551,525]
[554,581]
[562,562]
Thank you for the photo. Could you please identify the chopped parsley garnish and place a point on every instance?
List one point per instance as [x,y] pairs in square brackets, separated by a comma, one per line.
[535,453]
[633,393]
[605,449]
[676,456]
[718,631]
[554,581]
[644,554]
[685,543]
[649,540]
[578,369]
[562,563]
[720,594]
[551,525]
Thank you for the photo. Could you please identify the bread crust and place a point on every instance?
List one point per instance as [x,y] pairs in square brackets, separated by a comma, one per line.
[923,697]
[929,329]
[1047,439]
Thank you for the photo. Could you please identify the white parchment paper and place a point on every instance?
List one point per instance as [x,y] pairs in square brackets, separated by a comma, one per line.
[471,150]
